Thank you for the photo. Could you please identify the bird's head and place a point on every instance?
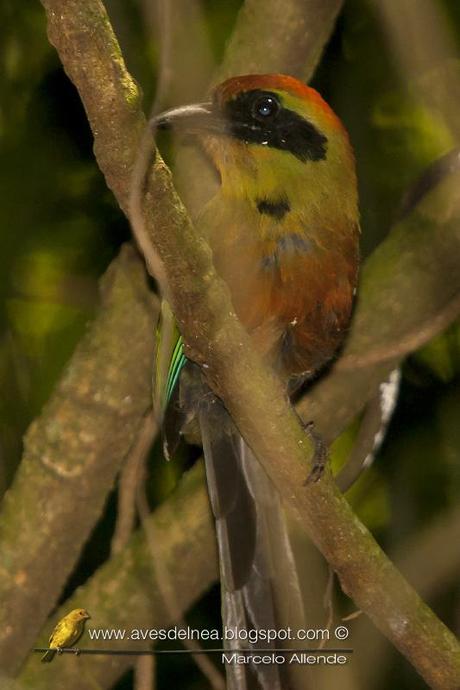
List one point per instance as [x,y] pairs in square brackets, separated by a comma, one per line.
[79,615]
[269,135]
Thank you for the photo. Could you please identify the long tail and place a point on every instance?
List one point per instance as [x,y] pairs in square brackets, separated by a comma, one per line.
[48,656]
[260,590]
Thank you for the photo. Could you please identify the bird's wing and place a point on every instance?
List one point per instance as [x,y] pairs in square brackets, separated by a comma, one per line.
[260,590]
[75,633]
[58,633]
[169,360]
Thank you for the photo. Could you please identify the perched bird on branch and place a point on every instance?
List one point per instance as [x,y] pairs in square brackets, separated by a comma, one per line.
[67,632]
[283,229]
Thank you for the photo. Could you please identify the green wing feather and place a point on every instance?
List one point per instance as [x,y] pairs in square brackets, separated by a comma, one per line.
[178,361]
[170,360]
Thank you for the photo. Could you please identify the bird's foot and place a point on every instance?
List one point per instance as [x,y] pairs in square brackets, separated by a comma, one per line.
[59,650]
[320,456]
[76,651]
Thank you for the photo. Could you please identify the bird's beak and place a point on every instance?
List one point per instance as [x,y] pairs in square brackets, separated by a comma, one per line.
[87,616]
[196,118]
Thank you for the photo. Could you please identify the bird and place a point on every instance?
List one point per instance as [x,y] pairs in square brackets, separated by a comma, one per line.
[67,632]
[284,231]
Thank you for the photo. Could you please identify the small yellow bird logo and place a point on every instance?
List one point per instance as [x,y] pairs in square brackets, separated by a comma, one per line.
[67,632]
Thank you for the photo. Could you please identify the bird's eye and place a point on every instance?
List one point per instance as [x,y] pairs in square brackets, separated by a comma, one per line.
[266,107]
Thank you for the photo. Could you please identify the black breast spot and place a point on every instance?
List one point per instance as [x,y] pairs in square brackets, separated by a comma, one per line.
[275,209]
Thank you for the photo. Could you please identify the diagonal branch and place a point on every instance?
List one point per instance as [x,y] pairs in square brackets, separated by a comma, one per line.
[73,452]
[250,392]
[290,37]
[93,60]
[125,592]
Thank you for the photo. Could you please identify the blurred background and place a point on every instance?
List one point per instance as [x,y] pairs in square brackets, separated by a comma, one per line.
[395,85]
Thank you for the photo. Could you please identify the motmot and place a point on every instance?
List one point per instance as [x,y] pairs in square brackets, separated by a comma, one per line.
[284,230]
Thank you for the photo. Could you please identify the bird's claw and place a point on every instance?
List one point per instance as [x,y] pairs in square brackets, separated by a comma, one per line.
[59,650]
[321,454]
[77,651]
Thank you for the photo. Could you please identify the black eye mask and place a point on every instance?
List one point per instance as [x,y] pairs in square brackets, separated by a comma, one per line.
[258,117]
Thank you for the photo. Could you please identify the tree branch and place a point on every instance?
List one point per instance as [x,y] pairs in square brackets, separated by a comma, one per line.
[125,592]
[73,452]
[131,475]
[251,393]
[291,37]
[433,546]
[92,58]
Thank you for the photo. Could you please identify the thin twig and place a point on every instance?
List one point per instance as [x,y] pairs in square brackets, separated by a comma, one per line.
[129,481]
[410,342]
[145,156]
[144,673]
[328,603]
[169,593]
[141,165]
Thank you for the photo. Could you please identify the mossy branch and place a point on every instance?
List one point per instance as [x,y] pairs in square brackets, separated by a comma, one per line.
[124,593]
[40,538]
[73,452]
[252,394]
[290,38]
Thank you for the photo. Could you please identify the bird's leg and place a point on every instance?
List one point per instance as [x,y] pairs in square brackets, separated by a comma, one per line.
[59,650]
[76,651]
[320,455]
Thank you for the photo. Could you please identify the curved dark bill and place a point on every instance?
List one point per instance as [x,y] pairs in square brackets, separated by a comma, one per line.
[198,117]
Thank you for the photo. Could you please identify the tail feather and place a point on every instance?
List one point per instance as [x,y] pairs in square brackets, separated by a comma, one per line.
[260,590]
[48,656]
[276,559]
[231,502]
